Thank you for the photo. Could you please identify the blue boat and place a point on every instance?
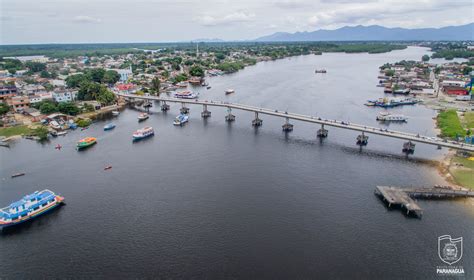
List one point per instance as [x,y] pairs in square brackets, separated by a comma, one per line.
[109,126]
[181,119]
[29,207]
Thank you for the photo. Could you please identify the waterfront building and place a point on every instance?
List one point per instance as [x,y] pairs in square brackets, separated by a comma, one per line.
[19,102]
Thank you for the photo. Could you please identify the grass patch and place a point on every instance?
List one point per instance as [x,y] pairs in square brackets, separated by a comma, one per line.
[464,177]
[15,130]
[468,120]
[465,162]
[449,123]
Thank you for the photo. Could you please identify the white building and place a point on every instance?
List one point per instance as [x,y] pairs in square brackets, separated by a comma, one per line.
[124,74]
[64,96]
[35,99]
[453,83]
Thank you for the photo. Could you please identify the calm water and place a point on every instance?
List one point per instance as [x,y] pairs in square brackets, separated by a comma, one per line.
[212,200]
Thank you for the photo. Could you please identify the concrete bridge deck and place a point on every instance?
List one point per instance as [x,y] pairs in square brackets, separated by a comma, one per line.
[317,120]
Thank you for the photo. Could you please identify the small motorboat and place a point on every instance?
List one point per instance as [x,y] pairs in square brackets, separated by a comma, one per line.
[61,133]
[322,71]
[18,174]
[208,87]
[84,128]
[115,113]
[181,119]
[108,167]
[142,117]
[229,91]
[58,147]
[109,126]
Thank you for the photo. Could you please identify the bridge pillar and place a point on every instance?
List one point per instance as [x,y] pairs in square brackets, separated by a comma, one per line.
[205,113]
[184,109]
[287,126]
[408,148]
[322,133]
[257,122]
[229,117]
[165,107]
[362,139]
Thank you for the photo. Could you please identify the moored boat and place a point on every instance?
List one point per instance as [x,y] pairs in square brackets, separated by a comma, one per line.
[29,207]
[86,142]
[109,126]
[187,94]
[229,91]
[18,174]
[142,117]
[322,71]
[115,113]
[387,117]
[143,133]
[181,119]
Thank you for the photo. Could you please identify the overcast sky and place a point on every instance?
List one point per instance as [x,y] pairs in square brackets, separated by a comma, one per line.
[77,21]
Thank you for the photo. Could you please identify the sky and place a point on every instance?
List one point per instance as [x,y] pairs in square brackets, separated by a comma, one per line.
[108,21]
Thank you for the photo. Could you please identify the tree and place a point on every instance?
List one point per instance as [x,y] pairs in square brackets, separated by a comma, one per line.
[467,70]
[110,77]
[45,74]
[196,71]
[68,108]
[155,85]
[95,74]
[48,108]
[41,132]
[74,81]
[425,58]
[35,66]
[4,108]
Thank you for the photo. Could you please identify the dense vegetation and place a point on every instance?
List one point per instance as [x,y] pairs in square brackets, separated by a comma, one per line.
[274,50]
[91,84]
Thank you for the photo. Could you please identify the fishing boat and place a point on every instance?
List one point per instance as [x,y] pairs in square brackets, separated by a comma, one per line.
[182,84]
[208,87]
[86,142]
[401,91]
[108,167]
[142,117]
[187,94]
[387,117]
[18,174]
[322,71]
[229,91]
[181,119]
[109,126]
[115,113]
[29,207]
[143,133]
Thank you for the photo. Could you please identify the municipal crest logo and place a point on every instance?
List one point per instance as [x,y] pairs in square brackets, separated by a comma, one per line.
[449,249]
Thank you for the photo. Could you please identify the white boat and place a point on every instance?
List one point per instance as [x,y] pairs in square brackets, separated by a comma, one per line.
[387,117]
[142,117]
[54,125]
[187,94]
[143,133]
[229,91]
[115,113]
[181,119]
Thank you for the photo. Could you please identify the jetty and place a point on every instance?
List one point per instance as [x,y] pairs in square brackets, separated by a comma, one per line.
[257,122]
[403,198]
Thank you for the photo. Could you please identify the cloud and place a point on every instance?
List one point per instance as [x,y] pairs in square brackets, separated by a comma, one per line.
[86,19]
[237,17]
[355,13]
[292,4]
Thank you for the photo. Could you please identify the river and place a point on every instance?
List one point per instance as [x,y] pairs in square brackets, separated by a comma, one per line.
[216,200]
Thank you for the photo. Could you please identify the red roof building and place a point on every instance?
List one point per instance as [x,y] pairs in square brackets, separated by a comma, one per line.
[453,90]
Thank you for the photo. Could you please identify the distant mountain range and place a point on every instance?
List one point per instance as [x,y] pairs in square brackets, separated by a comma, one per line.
[208,40]
[377,33]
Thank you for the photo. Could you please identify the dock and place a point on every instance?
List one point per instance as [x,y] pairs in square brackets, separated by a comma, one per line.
[403,197]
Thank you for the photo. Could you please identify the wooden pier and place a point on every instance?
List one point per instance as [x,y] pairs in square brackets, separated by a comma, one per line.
[403,197]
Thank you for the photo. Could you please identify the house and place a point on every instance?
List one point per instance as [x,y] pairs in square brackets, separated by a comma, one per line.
[32,89]
[19,103]
[454,90]
[35,115]
[64,96]
[35,99]
[453,83]
[126,88]
[7,91]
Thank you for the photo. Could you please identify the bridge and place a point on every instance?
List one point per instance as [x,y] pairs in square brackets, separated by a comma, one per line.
[362,139]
